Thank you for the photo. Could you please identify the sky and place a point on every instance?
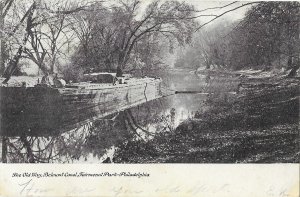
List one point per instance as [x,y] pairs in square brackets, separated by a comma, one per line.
[200,5]
[237,14]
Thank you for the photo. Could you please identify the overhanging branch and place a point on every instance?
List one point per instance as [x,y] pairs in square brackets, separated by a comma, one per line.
[220,15]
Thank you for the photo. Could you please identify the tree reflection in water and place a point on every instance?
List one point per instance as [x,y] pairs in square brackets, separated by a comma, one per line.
[88,142]
[93,142]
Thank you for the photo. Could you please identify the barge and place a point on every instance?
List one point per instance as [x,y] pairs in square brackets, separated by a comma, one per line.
[43,110]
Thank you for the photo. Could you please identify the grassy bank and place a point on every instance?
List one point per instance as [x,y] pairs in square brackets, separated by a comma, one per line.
[257,124]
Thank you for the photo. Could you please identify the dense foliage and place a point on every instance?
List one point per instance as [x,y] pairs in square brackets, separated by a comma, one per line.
[267,37]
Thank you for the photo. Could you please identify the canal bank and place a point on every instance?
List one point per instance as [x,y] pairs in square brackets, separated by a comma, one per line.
[258,124]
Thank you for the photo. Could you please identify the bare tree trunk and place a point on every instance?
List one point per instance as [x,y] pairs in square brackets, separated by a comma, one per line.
[290,45]
[2,66]
[52,66]
[13,64]
[4,149]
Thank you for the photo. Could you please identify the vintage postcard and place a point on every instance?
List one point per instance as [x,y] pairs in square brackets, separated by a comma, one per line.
[149,98]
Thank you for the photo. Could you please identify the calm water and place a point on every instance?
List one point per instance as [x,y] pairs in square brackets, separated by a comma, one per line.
[96,142]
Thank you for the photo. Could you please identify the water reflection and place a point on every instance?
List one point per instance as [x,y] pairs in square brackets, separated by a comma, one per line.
[95,142]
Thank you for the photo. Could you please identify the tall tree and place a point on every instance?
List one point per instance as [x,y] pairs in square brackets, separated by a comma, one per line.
[45,30]
[1,37]
[13,63]
[208,47]
[4,8]
[112,41]
[267,36]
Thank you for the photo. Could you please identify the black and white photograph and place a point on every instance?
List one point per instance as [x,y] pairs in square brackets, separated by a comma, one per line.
[149,82]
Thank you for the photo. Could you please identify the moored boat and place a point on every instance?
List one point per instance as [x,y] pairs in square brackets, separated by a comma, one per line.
[45,110]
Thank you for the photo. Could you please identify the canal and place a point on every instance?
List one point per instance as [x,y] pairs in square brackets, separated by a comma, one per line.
[212,123]
[96,142]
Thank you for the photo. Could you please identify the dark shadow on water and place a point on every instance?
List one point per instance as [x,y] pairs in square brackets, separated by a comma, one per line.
[96,141]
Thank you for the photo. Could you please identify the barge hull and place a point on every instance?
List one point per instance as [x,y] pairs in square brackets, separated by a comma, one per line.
[43,111]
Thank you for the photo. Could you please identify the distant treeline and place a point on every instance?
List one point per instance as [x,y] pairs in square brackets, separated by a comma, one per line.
[266,38]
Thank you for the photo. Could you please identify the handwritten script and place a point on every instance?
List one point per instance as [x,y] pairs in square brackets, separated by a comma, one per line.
[30,188]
